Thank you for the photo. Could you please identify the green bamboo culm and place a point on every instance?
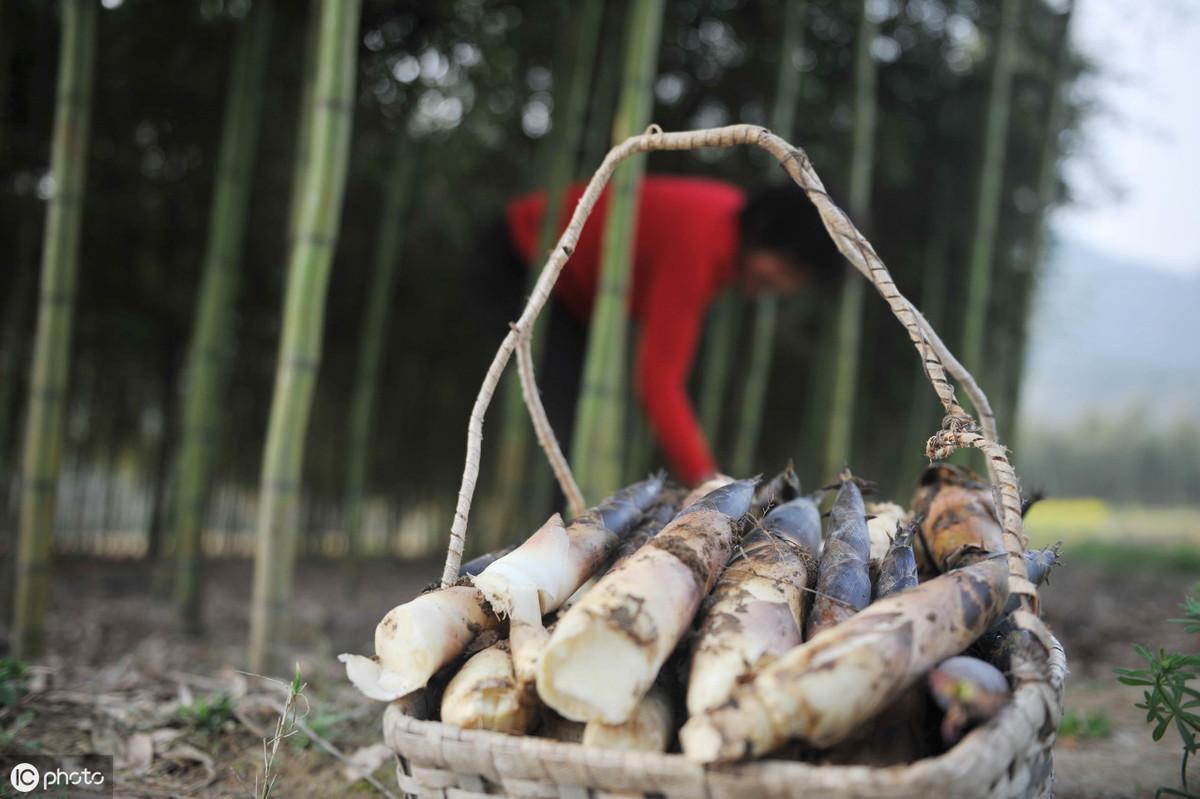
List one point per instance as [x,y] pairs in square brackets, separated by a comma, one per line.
[606,82]
[848,327]
[1047,196]
[720,339]
[51,354]
[210,346]
[598,452]
[639,439]
[379,290]
[308,80]
[523,486]
[311,257]
[991,182]
[766,309]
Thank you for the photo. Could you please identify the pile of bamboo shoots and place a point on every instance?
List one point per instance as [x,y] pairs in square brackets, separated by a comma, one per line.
[743,619]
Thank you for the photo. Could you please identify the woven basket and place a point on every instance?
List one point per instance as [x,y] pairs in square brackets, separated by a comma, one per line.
[1009,757]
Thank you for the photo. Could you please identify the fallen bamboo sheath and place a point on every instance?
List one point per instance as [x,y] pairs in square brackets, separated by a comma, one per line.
[650,728]
[484,695]
[606,651]
[898,567]
[417,638]
[541,574]
[844,578]
[824,690]
[783,487]
[756,610]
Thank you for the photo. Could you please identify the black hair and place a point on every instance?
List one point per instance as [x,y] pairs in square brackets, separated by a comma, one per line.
[782,219]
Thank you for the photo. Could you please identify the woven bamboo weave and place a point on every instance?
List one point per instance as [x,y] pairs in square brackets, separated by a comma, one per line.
[1007,758]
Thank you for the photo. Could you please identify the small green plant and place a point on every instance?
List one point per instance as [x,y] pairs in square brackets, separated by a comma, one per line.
[10,734]
[285,727]
[322,724]
[207,713]
[1168,698]
[14,684]
[14,681]
[1085,725]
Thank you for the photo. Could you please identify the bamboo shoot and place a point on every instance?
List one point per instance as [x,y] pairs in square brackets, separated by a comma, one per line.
[650,728]
[898,566]
[417,638]
[844,581]
[824,690]
[606,652]
[540,575]
[485,695]
[756,611]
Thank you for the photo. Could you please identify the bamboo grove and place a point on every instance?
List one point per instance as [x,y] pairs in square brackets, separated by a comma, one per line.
[271,296]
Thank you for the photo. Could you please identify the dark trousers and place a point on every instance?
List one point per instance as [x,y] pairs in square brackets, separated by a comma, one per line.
[499,280]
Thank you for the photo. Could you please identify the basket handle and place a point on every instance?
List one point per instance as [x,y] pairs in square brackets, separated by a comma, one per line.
[959,429]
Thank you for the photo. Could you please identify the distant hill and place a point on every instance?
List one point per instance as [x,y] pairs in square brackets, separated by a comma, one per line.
[1108,335]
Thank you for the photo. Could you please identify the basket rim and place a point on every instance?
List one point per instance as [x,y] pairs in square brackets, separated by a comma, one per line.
[1028,722]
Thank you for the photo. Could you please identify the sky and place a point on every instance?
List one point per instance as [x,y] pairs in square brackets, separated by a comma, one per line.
[1137,177]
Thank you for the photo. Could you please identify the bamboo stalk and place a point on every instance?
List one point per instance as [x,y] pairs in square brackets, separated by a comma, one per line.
[303,154]
[720,338]
[766,309]
[208,356]
[517,491]
[991,182]
[600,422]
[843,393]
[754,388]
[379,289]
[52,346]
[639,438]
[606,84]
[303,320]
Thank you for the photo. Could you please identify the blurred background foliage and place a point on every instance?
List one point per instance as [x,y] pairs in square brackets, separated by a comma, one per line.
[471,87]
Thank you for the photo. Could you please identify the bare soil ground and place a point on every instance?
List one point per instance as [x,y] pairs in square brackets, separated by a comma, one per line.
[181,720]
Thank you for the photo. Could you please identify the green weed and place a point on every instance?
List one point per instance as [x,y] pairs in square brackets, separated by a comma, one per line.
[1168,696]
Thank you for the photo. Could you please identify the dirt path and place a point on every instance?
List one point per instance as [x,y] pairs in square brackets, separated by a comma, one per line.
[118,673]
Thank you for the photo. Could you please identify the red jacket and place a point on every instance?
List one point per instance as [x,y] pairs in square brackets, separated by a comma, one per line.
[687,240]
